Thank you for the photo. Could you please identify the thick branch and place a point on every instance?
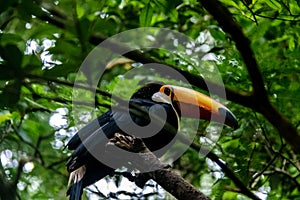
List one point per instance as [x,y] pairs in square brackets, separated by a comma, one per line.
[282,124]
[146,161]
[242,98]
[226,21]
[176,185]
[260,99]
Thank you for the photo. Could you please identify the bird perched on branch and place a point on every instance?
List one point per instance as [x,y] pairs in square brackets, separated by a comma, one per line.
[167,102]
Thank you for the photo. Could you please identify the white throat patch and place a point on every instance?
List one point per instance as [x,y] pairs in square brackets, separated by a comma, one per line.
[162,98]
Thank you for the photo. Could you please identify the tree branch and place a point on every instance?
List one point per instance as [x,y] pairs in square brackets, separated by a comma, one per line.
[229,25]
[229,173]
[260,97]
[239,97]
[258,174]
[147,161]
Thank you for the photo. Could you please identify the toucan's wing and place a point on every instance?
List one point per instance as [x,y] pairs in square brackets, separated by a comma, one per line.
[103,127]
[94,136]
[89,129]
[85,168]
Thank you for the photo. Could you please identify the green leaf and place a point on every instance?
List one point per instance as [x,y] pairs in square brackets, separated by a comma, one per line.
[146,15]
[217,34]
[80,11]
[110,26]
[273,4]
[291,42]
[10,95]
[10,38]
[6,4]
[5,18]
[168,7]
[12,55]
[4,117]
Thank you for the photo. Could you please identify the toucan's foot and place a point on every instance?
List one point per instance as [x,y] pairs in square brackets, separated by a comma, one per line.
[122,141]
[128,143]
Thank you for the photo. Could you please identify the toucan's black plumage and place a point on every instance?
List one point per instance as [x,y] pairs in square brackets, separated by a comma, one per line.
[174,101]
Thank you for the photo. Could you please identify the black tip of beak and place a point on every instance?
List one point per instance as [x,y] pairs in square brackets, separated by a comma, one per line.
[230,119]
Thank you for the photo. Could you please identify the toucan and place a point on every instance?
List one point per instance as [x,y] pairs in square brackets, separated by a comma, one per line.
[172,101]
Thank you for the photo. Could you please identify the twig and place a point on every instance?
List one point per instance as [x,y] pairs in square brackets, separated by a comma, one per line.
[66,101]
[266,167]
[278,18]
[243,189]
[37,151]
[52,165]
[280,171]
[250,10]
[21,164]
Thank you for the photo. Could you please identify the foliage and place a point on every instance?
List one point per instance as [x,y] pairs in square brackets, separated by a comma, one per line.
[42,46]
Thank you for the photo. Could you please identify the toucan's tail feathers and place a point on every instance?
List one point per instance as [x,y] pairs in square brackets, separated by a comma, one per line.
[76,189]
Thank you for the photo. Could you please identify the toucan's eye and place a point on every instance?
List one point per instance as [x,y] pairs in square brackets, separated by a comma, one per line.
[167,91]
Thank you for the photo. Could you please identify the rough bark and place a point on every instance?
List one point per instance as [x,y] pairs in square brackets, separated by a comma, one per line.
[146,161]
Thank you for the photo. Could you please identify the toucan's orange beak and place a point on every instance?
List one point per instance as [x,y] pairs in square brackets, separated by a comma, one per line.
[194,104]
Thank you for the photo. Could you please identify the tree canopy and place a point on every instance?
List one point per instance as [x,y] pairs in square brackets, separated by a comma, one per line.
[253,45]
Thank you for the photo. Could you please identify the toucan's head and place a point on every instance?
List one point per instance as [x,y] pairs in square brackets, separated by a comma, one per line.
[188,103]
